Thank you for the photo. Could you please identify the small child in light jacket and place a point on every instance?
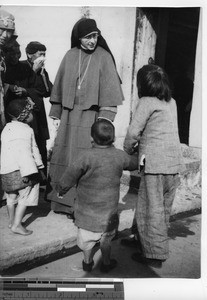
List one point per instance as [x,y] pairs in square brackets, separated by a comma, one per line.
[97,172]
[20,163]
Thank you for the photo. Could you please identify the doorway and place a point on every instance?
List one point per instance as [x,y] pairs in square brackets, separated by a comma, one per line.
[176,54]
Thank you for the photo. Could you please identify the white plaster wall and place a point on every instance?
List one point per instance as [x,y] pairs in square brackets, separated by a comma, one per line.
[195,136]
[52,26]
[145,48]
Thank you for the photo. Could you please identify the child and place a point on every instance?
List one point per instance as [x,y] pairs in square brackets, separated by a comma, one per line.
[20,162]
[97,173]
[154,128]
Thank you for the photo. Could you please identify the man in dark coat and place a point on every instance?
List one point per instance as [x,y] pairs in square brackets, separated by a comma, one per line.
[7,32]
[35,59]
[19,78]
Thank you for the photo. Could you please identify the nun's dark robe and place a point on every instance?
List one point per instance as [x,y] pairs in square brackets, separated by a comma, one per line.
[100,93]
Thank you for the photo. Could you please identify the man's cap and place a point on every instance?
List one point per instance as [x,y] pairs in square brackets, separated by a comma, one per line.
[6,20]
[33,47]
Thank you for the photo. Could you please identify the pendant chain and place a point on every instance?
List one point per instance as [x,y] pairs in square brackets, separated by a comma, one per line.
[80,80]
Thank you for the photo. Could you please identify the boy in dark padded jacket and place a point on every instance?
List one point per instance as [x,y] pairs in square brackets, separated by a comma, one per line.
[97,172]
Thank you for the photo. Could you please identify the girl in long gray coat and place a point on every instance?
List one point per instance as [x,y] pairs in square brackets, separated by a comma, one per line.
[154,128]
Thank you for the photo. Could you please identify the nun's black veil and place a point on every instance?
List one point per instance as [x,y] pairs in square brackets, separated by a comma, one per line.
[86,26]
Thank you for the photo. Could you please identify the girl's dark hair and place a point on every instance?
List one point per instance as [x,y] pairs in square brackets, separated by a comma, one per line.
[152,81]
[102,131]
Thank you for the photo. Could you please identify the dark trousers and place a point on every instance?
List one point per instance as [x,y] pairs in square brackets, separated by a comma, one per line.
[42,146]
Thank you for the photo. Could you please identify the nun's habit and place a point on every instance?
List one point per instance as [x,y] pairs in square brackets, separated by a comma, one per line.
[86,87]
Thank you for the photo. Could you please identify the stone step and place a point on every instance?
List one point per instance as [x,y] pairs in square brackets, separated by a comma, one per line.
[189,177]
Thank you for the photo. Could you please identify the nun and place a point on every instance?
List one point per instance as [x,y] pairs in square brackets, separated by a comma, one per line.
[87,87]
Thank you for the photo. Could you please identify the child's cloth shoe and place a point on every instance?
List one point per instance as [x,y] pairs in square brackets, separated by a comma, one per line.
[132,243]
[152,262]
[106,268]
[87,267]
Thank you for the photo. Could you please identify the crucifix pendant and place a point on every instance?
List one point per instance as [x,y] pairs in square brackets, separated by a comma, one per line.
[79,87]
